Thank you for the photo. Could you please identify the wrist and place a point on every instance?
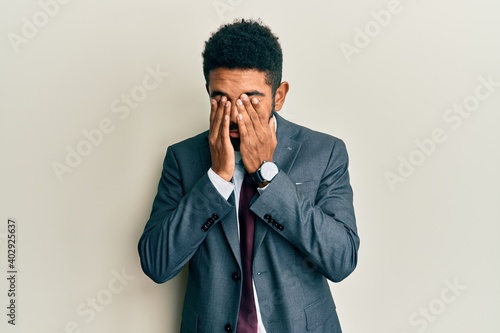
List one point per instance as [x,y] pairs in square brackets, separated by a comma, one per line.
[264,174]
[227,176]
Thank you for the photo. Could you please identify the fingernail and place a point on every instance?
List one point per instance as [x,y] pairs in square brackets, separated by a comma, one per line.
[244,97]
[240,117]
[255,100]
[239,102]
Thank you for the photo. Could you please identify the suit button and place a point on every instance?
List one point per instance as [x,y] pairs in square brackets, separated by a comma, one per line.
[236,276]
[210,221]
[267,217]
[228,328]
[204,228]
[215,216]
[280,227]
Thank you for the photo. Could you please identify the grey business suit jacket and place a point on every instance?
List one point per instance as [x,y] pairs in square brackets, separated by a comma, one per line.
[305,233]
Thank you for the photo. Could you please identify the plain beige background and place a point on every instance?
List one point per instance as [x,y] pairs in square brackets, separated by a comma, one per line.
[385,76]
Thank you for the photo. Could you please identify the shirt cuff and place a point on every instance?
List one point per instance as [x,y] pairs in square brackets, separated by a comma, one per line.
[262,189]
[224,187]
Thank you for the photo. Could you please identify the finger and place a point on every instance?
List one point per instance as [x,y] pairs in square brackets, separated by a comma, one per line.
[213,109]
[272,125]
[224,126]
[214,104]
[245,123]
[242,127]
[218,115]
[259,109]
[253,110]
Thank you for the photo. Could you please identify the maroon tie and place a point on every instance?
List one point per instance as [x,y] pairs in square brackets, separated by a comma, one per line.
[247,317]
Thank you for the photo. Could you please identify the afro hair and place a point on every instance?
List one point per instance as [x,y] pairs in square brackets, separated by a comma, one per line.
[245,44]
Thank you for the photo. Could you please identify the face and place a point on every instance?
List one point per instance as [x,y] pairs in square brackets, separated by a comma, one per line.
[232,83]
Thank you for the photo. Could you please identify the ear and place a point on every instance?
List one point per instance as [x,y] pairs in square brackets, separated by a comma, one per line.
[280,96]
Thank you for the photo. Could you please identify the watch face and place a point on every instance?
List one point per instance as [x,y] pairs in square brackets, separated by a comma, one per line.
[268,170]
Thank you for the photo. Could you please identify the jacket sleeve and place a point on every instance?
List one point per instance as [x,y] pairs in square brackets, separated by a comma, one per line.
[179,222]
[324,229]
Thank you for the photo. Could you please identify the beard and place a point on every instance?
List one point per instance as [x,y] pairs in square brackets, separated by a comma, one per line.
[236,143]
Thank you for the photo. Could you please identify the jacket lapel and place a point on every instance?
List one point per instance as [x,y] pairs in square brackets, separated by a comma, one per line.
[230,228]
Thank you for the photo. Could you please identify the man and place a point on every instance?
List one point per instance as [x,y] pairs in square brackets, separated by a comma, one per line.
[258,261]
